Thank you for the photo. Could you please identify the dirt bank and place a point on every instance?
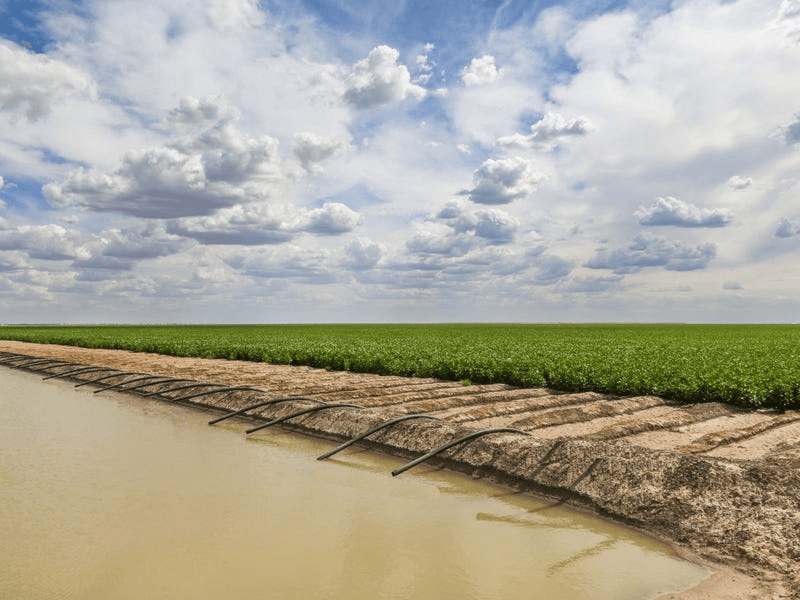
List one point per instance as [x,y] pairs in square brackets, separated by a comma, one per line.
[719,482]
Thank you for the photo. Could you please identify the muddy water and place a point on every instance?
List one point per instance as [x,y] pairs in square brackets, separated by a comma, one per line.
[116,497]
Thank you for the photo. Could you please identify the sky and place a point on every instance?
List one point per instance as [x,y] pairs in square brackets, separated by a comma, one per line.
[302,161]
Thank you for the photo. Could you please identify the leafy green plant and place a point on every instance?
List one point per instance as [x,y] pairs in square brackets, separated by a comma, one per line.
[747,365]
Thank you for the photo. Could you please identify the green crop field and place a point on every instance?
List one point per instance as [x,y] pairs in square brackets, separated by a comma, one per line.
[746,365]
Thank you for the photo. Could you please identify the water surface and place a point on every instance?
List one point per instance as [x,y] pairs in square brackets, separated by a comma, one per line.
[110,496]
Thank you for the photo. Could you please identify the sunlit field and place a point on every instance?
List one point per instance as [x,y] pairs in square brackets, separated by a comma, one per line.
[746,365]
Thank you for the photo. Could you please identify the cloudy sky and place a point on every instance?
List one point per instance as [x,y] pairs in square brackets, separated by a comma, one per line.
[346,160]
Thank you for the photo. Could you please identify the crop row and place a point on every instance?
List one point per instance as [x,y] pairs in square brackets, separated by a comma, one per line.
[746,365]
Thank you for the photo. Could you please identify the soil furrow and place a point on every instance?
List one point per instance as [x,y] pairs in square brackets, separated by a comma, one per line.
[448,408]
[595,410]
[711,441]
[675,418]
[375,399]
[528,403]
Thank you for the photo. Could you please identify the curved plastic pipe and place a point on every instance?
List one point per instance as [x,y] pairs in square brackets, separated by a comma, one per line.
[227,389]
[298,413]
[259,405]
[452,443]
[369,432]
[118,374]
[78,371]
[184,387]
[121,383]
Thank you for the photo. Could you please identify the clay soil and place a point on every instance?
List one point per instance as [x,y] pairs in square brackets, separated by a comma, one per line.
[720,483]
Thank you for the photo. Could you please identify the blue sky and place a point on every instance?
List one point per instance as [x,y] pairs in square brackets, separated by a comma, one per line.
[324,161]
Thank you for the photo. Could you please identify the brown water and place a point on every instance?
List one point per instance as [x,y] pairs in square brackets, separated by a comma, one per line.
[115,497]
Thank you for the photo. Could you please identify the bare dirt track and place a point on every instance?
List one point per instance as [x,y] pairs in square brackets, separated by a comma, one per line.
[719,481]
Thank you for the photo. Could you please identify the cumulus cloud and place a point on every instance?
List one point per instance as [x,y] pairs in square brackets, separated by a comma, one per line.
[788,20]
[109,265]
[13,261]
[196,111]
[673,212]
[502,181]
[45,242]
[261,223]
[548,131]
[787,228]
[480,71]
[333,218]
[226,15]
[439,240]
[549,269]
[142,241]
[652,251]
[2,182]
[32,82]
[424,67]
[791,132]
[95,257]
[737,182]
[495,226]
[588,285]
[284,262]
[312,149]
[378,79]
[246,224]
[214,166]
[361,255]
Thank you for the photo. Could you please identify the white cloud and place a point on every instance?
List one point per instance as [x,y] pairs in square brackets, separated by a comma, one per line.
[678,98]
[651,251]
[312,149]
[549,269]
[502,181]
[673,212]
[548,131]
[787,228]
[481,71]
[439,239]
[791,132]
[333,218]
[13,262]
[33,82]
[737,182]
[234,14]
[493,225]
[251,224]
[260,223]
[139,242]
[378,79]
[214,166]
[705,77]
[788,21]
[732,285]
[45,242]
[591,285]
[284,262]
[2,182]
[362,254]
[197,111]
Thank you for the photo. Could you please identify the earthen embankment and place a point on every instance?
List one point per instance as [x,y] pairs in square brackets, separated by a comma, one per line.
[719,481]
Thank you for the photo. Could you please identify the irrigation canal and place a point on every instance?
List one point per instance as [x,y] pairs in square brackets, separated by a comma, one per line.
[116,496]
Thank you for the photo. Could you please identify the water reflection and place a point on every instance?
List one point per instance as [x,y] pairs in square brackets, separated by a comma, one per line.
[106,497]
